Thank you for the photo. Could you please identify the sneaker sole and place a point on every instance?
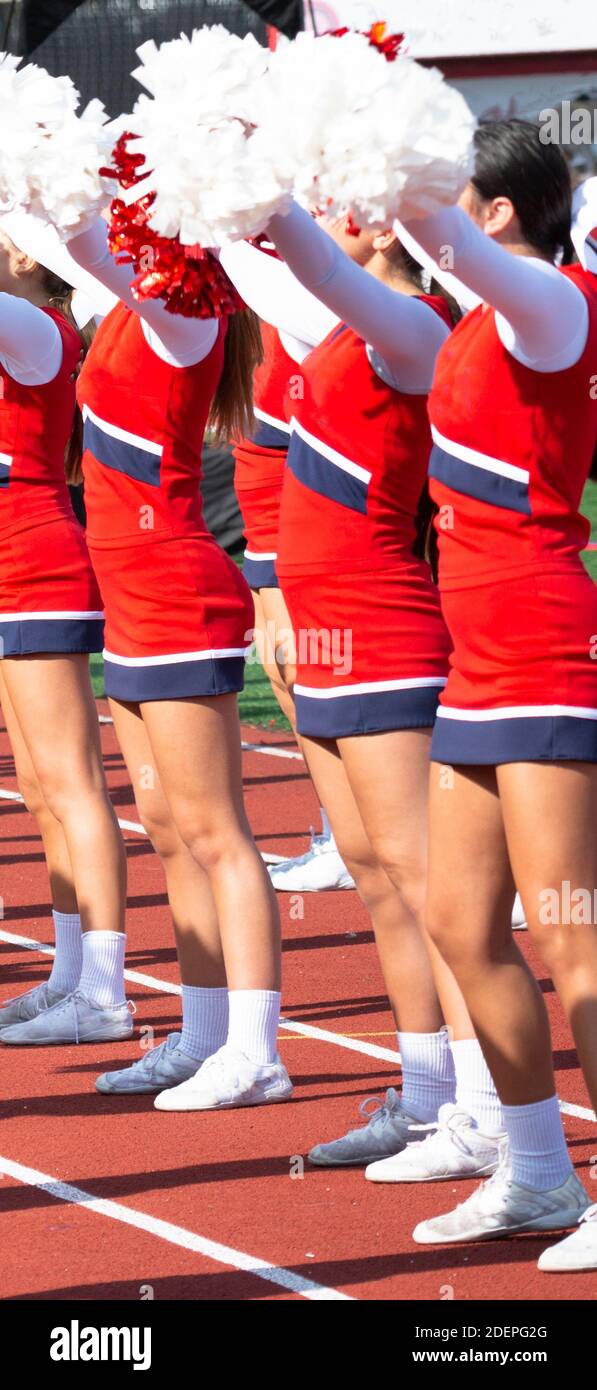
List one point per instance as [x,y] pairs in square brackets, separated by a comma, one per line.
[436,1177]
[340,1162]
[66,1042]
[227,1105]
[566,1268]
[329,888]
[138,1090]
[543,1223]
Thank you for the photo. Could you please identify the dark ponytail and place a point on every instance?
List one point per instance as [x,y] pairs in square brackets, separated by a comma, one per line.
[513,161]
[60,297]
[425,543]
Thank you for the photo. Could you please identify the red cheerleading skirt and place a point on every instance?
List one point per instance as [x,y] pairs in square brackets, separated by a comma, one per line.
[258,479]
[179,619]
[522,685]
[372,650]
[49,597]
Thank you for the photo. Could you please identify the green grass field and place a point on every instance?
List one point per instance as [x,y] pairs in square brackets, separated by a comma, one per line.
[257,704]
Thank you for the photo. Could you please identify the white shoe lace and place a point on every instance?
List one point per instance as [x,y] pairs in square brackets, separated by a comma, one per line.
[150,1059]
[490,1192]
[378,1111]
[590,1214]
[40,990]
[452,1127]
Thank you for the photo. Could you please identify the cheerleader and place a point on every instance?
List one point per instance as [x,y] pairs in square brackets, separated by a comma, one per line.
[50,619]
[357,459]
[178,621]
[514,783]
[258,476]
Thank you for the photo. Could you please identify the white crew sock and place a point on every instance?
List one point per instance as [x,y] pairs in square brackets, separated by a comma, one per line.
[427,1073]
[68,961]
[538,1152]
[254,1017]
[102,976]
[475,1087]
[204,1020]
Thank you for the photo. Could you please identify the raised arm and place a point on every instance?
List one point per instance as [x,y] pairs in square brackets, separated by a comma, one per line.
[270,288]
[30,343]
[403,333]
[542,317]
[180,341]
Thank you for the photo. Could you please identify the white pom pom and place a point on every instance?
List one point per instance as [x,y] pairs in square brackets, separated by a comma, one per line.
[212,174]
[374,138]
[49,156]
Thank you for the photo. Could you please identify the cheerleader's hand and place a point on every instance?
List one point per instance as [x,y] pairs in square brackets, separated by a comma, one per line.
[50,155]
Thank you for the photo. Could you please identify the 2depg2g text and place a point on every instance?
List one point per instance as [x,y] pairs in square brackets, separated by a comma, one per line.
[444,1334]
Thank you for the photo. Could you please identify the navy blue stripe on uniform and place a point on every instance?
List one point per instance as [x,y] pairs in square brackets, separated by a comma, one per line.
[39,635]
[260,574]
[117,454]
[336,332]
[539,738]
[176,681]
[374,712]
[479,482]
[268,437]
[316,472]
[4,474]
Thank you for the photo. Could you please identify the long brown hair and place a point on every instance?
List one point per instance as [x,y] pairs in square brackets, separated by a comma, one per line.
[231,414]
[60,297]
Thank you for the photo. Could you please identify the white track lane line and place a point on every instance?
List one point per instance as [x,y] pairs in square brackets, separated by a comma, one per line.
[308,1030]
[139,829]
[136,977]
[174,1235]
[269,749]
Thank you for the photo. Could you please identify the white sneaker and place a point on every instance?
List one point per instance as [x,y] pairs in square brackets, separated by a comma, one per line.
[319,869]
[519,921]
[387,1131]
[456,1149]
[501,1207]
[577,1251]
[226,1080]
[73,1020]
[159,1067]
[28,1005]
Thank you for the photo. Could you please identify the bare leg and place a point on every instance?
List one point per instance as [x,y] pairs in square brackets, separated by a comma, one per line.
[55,710]
[558,801]
[353,798]
[194,916]
[469,864]
[55,849]
[274,640]
[197,755]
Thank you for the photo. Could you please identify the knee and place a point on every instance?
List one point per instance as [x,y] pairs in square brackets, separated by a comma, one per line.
[159,827]
[563,949]
[406,872]
[444,925]
[33,796]
[205,842]
[370,881]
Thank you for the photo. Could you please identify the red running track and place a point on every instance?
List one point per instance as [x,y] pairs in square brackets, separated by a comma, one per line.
[209,1206]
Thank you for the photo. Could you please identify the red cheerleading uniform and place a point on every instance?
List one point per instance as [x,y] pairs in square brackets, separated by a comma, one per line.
[178,612]
[49,598]
[260,462]
[512,451]
[372,646]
